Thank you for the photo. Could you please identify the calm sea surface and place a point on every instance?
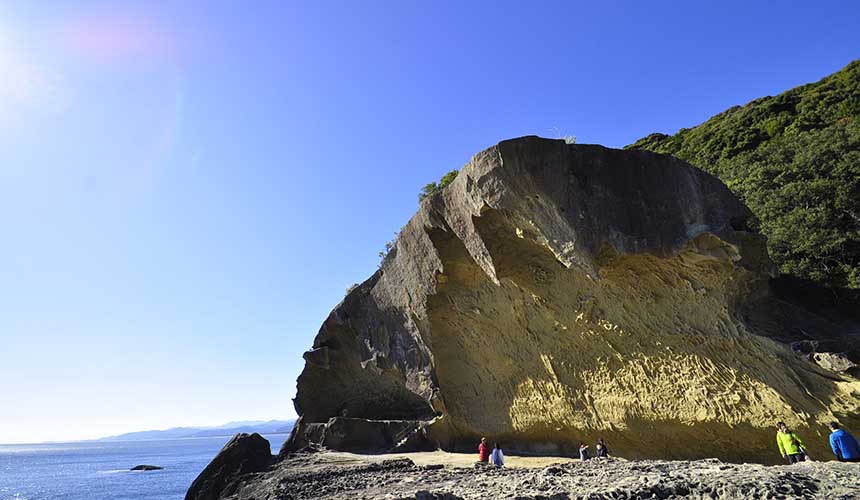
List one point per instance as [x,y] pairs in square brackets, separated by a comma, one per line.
[99,471]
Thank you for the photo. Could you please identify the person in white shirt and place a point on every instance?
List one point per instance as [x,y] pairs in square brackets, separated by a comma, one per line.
[497,458]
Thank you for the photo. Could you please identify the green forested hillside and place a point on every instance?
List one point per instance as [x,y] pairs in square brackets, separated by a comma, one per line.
[794,159]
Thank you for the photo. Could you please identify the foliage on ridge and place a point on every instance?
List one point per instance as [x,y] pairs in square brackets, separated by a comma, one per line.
[432,188]
[794,159]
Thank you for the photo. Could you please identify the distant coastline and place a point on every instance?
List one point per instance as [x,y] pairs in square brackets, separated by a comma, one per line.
[226,430]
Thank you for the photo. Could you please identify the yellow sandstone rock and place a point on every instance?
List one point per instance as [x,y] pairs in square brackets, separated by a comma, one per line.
[559,293]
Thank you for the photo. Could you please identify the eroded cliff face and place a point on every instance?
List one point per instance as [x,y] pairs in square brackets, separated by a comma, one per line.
[558,293]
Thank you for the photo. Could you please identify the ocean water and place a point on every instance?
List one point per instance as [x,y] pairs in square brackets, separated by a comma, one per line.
[99,470]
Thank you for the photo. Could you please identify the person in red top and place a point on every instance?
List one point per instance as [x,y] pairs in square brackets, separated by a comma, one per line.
[483,451]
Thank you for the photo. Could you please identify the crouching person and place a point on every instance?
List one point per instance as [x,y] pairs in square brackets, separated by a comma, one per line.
[497,458]
[843,444]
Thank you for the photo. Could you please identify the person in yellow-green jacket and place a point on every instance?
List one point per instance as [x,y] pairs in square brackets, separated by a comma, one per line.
[790,446]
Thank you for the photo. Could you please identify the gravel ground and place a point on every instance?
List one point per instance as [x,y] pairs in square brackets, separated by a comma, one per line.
[356,477]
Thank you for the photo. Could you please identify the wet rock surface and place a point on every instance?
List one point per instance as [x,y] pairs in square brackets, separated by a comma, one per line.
[323,476]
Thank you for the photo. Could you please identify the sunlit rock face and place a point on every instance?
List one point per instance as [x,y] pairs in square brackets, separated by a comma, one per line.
[558,293]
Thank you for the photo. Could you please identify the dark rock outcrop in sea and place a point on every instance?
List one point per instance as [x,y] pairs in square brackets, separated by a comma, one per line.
[146,467]
[243,454]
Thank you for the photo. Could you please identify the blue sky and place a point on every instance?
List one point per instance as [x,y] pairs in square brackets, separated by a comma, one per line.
[187,188]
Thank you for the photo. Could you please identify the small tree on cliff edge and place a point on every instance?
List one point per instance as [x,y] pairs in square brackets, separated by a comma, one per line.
[428,190]
[433,188]
[448,178]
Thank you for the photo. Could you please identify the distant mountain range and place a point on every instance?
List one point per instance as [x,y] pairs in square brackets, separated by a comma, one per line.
[228,429]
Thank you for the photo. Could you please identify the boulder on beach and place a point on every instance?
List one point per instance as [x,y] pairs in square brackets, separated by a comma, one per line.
[243,454]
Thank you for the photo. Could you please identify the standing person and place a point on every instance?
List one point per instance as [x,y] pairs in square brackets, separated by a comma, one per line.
[790,446]
[844,445]
[583,452]
[483,451]
[497,458]
[602,450]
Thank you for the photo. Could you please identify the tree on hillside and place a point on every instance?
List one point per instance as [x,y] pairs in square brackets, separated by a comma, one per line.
[794,159]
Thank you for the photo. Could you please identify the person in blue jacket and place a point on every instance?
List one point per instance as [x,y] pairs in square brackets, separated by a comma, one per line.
[844,445]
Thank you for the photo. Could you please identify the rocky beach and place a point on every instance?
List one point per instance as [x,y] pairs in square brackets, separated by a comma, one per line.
[451,476]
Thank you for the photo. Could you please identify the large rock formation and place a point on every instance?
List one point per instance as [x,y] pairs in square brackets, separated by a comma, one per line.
[555,293]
